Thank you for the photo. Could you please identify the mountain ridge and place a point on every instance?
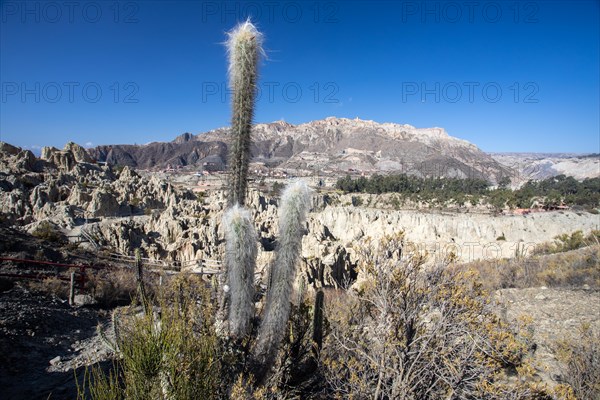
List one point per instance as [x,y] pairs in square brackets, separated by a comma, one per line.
[334,145]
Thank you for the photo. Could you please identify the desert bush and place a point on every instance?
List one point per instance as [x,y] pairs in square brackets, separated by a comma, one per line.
[52,285]
[357,201]
[568,242]
[47,231]
[113,287]
[117,169]
[276,189]
[135,202]
[568,269]
[414,332]
[580,355]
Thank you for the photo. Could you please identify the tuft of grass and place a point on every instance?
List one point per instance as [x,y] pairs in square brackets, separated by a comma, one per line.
[99,385]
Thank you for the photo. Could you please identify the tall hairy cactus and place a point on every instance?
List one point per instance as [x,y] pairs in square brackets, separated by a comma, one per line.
[244,45]
[294,206]
[240,262]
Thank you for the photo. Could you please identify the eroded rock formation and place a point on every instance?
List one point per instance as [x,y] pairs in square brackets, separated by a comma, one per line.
[121,211]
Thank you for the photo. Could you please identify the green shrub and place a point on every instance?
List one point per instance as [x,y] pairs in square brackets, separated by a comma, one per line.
[276,189]
[357,201]
[168,354]
[568,242]
[135,202]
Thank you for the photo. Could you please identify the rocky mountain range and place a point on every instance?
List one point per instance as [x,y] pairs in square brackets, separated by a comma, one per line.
[331,145]
[538,166]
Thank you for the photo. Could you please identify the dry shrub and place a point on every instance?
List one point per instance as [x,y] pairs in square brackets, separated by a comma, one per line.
[113,287]
[166,354]
[411,331]
[52,285]
[568,242]
[573,268]
[580,355]
[243,388]
[568,269]
[47,231]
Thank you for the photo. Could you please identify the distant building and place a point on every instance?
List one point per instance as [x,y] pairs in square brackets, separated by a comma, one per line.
[522,211]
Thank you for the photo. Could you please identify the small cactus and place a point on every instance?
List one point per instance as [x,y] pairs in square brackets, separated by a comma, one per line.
[317,335]
[301,290]
[115,322]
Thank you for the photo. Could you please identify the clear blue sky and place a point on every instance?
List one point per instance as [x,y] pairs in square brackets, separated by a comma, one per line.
[505,75]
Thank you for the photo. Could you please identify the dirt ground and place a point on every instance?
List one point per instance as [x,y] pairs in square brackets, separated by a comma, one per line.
[557,314]
[36,329]
[43,340]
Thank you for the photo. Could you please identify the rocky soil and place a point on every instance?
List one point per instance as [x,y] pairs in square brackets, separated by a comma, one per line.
[556,314]
[43,341]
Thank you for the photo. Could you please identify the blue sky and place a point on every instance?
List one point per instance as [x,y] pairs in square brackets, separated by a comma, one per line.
[507,76]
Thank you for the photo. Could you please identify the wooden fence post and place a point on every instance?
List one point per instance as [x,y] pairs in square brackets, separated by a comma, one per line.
[72,290]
